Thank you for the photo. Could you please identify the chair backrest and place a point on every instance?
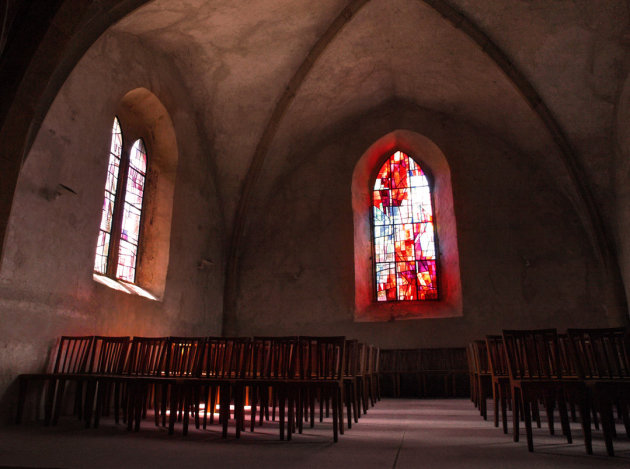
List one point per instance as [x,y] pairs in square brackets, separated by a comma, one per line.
[73,354]
[274,357]
[109,355]
[602,353]
[210,361]
[236,357]
[470,359]
[532,354]
[566,357]
[480,355]
[376,360]
[147,356]
[322,357]
[496,355]
[184,356]
[362,364]
[351,358]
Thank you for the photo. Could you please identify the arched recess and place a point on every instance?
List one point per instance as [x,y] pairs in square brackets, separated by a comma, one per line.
[143,116]
[431,158]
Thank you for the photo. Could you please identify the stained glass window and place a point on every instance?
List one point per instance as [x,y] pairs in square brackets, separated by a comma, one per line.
[405,264]
[107,216]
[119,231]
[132,211]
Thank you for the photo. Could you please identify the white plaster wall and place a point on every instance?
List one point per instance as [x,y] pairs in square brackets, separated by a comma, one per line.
[46,285]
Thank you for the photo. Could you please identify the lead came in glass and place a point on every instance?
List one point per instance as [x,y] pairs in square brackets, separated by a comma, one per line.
[130,231]
[404,240]
[102,245]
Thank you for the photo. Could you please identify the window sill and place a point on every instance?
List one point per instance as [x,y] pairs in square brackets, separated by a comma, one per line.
[125,287]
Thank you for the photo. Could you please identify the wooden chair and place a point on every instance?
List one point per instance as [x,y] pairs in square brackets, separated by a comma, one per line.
[362,377]
[182,366]
[146,362]
[70,364]
[500,378]
[321,370]
[376,372]
[472,374]
[483,376]
[107,360]
[602,357]
[273,363]
[351,381]
[533,359]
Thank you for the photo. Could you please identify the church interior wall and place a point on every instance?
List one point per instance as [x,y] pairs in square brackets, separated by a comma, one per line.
[46,277]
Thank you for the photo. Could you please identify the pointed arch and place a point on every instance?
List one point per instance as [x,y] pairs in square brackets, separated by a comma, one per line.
[429,157]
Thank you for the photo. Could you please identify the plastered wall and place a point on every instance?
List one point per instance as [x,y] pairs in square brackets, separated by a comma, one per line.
[46,284]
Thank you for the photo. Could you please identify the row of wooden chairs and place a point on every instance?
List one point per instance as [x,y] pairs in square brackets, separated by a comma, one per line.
[425,366]
[182,377]
[587,369]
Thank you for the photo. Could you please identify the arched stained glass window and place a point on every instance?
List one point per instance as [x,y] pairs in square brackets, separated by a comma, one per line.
[119,231]
[405,263]
[132,213]
[107,217]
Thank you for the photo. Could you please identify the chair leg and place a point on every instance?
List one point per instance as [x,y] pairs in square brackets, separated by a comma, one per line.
[224,412]
[502,392]
[528,425]
[607,419]
[253,404]
[495,398]
[516,396]
[173,406]
[536,413]
[56,410]
[564,417]
[549,407]
[585,413]
[281,411]
[349,408]
[335,399]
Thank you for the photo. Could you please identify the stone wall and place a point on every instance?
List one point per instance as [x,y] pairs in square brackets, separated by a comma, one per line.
[46,284]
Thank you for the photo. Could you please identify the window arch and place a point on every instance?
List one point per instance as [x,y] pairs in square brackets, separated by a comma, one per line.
[119,231]
[403,239]
[443,285]
[133,248]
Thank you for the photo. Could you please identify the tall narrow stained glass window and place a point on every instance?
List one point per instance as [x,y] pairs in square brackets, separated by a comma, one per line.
[119,231]
[132,212]
[405,263]
[107,217]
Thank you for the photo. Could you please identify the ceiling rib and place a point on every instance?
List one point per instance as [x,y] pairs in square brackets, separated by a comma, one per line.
[603,241]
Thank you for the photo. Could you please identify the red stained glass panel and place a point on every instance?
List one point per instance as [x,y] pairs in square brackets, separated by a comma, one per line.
[404,238]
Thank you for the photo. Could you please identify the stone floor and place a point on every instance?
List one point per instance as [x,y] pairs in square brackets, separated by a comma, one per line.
[398,434]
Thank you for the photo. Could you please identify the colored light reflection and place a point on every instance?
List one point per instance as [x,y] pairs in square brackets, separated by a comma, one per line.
[404,240]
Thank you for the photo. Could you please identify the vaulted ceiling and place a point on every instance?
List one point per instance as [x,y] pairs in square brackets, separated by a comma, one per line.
[263,74]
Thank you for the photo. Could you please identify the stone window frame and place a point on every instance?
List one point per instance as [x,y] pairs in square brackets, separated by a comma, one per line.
[431,158]
[143,116]
[120,196]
